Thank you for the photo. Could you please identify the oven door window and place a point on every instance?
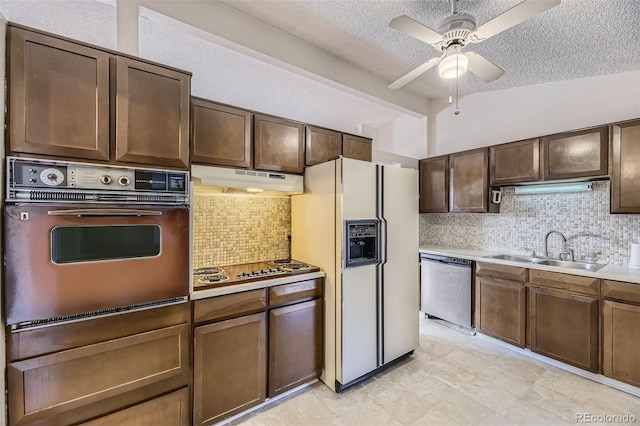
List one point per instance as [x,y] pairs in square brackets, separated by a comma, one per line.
[75,244]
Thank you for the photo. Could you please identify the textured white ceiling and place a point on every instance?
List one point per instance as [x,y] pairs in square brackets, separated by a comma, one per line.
[577,39]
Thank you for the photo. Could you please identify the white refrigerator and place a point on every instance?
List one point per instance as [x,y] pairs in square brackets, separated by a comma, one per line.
[370,308]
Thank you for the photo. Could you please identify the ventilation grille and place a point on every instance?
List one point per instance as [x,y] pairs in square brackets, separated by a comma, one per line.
[30,325]
[94,197]
[56,196]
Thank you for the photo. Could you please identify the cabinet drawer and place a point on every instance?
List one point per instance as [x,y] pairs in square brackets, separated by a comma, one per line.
[514,273]
[230,305]
[575,283]
[619,290]
[295,292]
[56,338]
[64,381]
[170,410]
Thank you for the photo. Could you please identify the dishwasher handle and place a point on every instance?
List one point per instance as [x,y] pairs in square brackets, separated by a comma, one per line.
[465,263]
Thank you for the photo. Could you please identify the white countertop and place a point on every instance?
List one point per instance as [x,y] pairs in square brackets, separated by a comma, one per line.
[609,272]
[237,287]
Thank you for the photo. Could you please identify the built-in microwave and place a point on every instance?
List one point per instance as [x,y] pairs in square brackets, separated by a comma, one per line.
[361,242]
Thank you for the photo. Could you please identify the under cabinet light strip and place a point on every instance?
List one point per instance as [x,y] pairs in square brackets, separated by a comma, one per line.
[552,188]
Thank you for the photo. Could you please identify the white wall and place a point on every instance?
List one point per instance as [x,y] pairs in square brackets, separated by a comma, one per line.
[404,135]
[509,115]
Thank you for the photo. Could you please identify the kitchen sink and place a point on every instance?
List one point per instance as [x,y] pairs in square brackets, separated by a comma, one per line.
[512,258]
[549,262]
[571,265]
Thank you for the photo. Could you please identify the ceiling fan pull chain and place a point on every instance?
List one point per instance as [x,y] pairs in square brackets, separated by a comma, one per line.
[457,110]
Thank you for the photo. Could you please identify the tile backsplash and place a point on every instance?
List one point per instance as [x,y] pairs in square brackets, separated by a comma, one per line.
[523,221]
[234,228]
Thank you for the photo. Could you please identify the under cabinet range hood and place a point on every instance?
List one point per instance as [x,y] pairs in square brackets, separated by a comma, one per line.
[223,179]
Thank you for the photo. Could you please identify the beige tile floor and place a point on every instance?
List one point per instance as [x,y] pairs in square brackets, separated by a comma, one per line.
[453,379]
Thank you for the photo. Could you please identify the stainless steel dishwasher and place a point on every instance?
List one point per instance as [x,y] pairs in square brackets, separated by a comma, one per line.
[445,288]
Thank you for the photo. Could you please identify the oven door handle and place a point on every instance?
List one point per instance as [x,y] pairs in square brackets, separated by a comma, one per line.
[104,212]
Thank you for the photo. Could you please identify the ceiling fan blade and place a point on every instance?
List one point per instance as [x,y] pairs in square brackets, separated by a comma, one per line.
[517,14]
[415,29]
[415,73]
[481,67]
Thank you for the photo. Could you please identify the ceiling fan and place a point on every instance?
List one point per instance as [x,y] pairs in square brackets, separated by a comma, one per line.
[458,30]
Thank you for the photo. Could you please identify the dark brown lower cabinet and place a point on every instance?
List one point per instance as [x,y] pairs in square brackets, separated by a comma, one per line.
[295,345]
[621,341]
[230,367]
[564,326]
[70,373]
[501,309]
[171,409]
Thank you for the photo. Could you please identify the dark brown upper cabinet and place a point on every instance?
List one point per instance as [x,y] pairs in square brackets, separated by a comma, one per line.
[469,181]
[576,154]
[278,144]
[69,99]
[152,114]
[625,174]
[58,97]
[514,162]
[321,145]
[434,185]
[220,134]
[356,147]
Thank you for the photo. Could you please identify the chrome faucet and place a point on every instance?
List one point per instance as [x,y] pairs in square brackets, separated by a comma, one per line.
[567,251]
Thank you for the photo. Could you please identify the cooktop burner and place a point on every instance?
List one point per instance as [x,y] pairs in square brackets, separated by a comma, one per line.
[281,261]
[211,279]
[209,270]
[294,266]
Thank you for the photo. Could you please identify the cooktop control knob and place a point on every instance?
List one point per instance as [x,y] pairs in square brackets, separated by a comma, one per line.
[124,180]
[106,179]
[51,177]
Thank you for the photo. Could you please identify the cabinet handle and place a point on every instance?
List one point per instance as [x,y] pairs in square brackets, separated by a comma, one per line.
[104,212]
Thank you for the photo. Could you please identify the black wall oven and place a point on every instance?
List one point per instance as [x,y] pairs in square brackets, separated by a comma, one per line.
[84,240]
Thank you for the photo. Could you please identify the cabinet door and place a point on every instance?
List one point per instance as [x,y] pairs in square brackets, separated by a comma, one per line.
[500,309]
[220,135]
[576,154]
[278,144]
[514,162]
[356,147]
[434,185]
[322,145]
[88,379]
[469,181]
[58,97]
[168,410]
[564,326]
[621,340]
[295,345]
[625,174]
[230,367]
[152,114]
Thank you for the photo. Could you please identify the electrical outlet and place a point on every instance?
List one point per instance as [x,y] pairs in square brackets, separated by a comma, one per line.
[287,234]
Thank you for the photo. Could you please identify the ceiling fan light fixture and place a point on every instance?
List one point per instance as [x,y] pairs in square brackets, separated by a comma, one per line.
[454,64]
